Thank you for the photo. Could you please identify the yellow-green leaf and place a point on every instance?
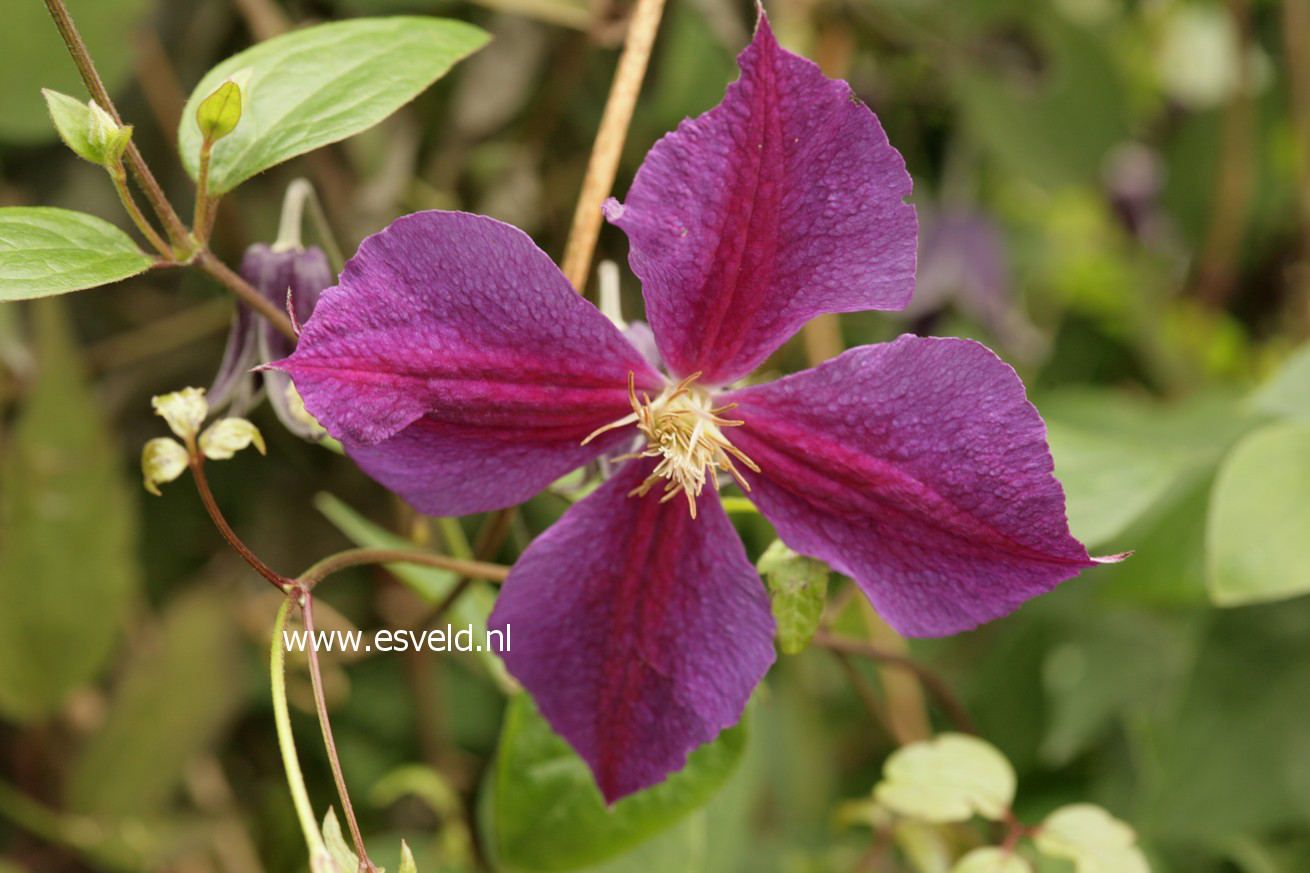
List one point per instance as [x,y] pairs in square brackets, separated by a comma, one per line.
[946,779]
[1094,840]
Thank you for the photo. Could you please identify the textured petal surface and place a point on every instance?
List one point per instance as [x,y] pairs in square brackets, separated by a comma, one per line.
[782,203]
[918,468]
[457,365]
[640,631]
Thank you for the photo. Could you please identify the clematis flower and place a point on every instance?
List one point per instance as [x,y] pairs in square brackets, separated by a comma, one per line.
[459,368]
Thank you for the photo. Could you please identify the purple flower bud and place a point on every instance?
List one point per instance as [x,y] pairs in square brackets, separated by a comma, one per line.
[304,273]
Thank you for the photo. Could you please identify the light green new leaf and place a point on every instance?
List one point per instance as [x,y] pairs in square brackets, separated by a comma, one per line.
[548,814]
[320,85]
[992,860]
[342,855]
[171,703]
[407,864]
[1288,392]
[1258,535]
[1094,840]
[798,590]
[67,534]
[946,779]
[45,251]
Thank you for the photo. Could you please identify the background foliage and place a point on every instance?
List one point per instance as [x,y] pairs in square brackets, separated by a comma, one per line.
[1115,196]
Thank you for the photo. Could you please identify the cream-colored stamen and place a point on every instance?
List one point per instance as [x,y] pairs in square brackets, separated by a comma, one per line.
[684,431]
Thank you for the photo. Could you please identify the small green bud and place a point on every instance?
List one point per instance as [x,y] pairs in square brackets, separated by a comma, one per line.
[798,591]
[219,112]
[227,436]
[184,411]
[162,460]
[87,129]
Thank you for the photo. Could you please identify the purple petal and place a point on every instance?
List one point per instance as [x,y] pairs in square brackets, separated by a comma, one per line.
[640,631]
[782,203]
[459,367]
[919,469]
[234,384]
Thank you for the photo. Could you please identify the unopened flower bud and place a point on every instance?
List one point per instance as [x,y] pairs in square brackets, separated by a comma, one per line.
[220,112]
[162,460]
[87,129]
[227,436]
[184,411]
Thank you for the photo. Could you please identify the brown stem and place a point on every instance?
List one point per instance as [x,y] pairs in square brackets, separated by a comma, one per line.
[946,698]
[866,693]
[320,704]
[177,231]
[224,274]
[1296,37]
[1217,260]
[119,175]
[279,581]
[356,557]
[605,152]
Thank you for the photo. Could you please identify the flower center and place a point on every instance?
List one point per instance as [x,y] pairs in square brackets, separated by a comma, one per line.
[685,431]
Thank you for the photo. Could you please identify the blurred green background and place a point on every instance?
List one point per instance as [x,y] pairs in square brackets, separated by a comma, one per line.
[1114,195]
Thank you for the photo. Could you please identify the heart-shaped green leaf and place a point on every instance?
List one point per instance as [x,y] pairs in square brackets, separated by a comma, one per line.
[549,815]
[1256,547]
[45,251]
[952,777]
[320,85]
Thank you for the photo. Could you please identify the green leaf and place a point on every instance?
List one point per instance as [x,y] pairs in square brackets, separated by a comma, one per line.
[1258,542]
[1094,840]
[45,251]
[33,57]
[67,534]
[1288,392]
[1118,457]
[430,583]
[798,590]
[549,815]
[177,694]
[320,85]
[950,778]
[1237,756]
[219,112]
[991,860]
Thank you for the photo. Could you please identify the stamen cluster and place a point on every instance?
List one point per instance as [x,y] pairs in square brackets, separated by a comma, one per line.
[684,430]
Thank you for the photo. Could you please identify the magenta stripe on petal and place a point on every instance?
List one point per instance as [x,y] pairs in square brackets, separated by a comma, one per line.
[782,203]
[639,631]
[920,469]
[458,365]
